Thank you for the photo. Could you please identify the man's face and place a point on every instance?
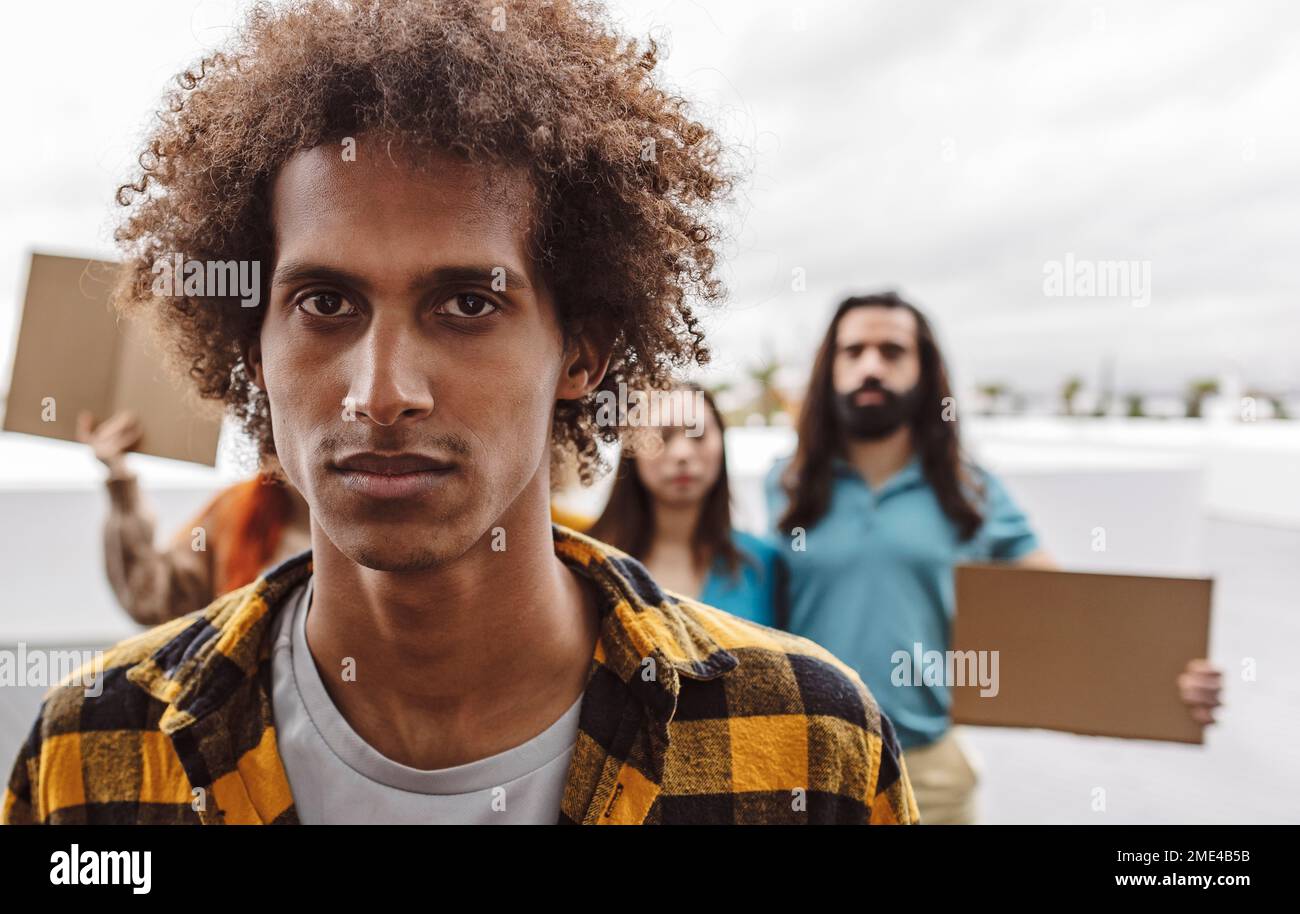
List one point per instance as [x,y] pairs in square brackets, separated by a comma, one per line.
[876,370]
[405,317]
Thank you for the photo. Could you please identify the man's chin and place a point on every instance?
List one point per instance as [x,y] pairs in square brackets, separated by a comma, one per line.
[875,432]
[417,548]
[396,561]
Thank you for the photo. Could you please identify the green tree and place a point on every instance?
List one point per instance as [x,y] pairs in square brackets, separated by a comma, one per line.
[1197,391]
[1069,390]
[993,392]
[768,401]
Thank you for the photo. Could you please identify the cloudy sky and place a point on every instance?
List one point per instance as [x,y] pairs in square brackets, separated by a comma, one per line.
[954,151]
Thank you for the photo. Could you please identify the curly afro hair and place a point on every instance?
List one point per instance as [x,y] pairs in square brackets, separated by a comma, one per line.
[625,179]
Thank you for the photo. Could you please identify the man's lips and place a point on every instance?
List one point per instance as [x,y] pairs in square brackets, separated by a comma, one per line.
[395,475]
[867,397]
[392,464]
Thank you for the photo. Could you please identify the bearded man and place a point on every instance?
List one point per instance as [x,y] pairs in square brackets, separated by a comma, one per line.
[875,508]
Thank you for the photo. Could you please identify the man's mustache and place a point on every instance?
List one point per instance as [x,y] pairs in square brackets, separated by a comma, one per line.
[449,444]
[873,385]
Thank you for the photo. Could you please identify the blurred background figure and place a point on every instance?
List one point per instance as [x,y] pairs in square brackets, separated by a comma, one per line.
[670,508]
[879,503]
[241,531]
[569,518]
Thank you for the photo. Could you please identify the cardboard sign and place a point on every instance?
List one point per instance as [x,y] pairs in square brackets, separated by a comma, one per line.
[1097,654]
[74,353]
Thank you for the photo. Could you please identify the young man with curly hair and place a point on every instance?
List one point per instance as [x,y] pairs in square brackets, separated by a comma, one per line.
[469,220]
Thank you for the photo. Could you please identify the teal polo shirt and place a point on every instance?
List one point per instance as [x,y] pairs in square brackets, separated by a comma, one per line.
[875,576]
[754,589]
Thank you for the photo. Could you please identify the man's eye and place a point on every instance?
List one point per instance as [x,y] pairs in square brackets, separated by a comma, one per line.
[467,304]
[321,304]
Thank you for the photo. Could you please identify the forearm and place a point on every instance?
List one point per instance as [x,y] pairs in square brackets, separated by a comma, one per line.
[148,583]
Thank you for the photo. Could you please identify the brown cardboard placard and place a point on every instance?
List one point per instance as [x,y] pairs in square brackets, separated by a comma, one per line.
[73,348]
[1089,653]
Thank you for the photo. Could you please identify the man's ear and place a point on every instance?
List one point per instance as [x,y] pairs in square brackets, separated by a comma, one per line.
[253,359]
[586,359]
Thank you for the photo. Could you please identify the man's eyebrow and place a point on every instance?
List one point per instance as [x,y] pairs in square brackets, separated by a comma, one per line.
[292,271]
[472,273]
[900,341]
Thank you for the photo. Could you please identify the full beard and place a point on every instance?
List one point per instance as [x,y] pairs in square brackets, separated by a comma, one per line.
[876,420]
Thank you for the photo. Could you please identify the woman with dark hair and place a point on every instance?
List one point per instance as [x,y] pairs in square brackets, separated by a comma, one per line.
[670,508]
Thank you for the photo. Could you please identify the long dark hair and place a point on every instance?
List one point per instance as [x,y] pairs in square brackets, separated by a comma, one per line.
[807,479]
[628,524]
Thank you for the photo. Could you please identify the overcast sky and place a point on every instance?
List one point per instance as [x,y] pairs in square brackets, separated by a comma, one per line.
[950,150]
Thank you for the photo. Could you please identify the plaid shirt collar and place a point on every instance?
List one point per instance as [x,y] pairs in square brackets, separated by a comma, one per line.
[209,675]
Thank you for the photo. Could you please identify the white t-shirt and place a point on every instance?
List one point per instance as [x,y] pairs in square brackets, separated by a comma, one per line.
[338,778]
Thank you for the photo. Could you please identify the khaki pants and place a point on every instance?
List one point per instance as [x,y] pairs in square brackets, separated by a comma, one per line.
[943,781]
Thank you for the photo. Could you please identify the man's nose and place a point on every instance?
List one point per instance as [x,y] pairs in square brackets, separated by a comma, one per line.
[391,375]
[872,365]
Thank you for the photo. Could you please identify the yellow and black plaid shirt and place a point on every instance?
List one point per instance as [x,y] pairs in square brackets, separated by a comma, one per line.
[732,722]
